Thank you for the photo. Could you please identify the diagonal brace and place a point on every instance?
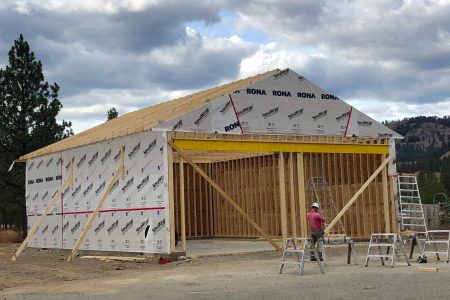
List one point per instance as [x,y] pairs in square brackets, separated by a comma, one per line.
[225,195]
[357,194]
[67,182]
[119,172]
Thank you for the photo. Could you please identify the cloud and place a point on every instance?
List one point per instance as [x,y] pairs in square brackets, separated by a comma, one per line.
[398,50]
[134,53]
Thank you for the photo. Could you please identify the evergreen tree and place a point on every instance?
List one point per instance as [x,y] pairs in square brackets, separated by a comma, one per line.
[28,110]
[112,114]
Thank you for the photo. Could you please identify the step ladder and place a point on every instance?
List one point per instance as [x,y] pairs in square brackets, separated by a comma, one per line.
[438,243]
[411,213]
[323,195]
[388,242]
[300,247]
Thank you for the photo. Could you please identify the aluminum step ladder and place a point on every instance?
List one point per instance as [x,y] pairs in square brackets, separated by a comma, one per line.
[388,242]
[323,195]
[410,213]
[305,248]
[438,243]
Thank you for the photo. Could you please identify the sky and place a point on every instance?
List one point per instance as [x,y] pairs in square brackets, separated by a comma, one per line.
[388,58]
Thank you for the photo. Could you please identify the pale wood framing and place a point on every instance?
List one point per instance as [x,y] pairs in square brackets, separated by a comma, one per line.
[292,196]
[282,195]
[387,216]
[117,173]
[225,195]
[356,195]
[301,194]
[182,206]
[56,197]
[170,166]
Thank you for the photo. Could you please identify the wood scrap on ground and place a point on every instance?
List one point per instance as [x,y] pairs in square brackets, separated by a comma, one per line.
[119,258]
[428,270]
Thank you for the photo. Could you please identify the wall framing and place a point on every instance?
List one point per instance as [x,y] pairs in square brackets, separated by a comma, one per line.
[270,186]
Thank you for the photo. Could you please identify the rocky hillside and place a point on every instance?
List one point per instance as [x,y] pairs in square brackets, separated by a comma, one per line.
[425,144]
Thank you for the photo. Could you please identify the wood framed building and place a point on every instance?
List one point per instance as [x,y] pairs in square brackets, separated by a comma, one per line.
[232,161]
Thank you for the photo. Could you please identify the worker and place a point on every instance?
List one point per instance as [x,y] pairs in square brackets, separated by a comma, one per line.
[315,221]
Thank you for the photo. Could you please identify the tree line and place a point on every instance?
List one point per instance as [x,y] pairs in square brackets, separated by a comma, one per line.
[29,106]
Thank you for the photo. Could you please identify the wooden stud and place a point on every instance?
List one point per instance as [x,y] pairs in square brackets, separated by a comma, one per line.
[301,196]
[292,196]
[226,196]
[356,195]
[189,202]
[170,167]
[182,206]
[387,216]
[393,206]
[94,214]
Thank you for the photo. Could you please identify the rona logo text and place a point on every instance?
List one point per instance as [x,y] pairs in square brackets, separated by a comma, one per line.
[231,126]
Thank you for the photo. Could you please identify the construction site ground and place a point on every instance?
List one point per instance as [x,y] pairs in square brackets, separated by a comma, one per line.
[45,274]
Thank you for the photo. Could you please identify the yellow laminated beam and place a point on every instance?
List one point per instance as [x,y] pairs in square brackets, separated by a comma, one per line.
[258,146]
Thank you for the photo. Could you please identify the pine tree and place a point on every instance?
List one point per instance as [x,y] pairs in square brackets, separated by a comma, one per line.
[112,114]
[28,110]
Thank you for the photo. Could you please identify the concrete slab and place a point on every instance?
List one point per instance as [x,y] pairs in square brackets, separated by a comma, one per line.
[225,246]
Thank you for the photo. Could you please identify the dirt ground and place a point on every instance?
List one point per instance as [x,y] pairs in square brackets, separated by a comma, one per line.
[45,274]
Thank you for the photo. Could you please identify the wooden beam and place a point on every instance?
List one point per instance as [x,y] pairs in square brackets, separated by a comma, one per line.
[171,199]
[357,194]
[301,196]
[393,205]
[67,182]
[225,195]
[387,217]
[282,194]
[279,146]
[292,196]
[182,207]
[93,215]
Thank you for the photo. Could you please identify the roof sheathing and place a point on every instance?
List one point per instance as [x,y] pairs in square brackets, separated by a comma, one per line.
[146,118]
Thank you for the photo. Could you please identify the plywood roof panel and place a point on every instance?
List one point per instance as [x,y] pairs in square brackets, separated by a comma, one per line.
[146,118]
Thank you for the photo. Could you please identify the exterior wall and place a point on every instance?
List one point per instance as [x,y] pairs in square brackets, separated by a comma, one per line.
[254,184]
[136,204]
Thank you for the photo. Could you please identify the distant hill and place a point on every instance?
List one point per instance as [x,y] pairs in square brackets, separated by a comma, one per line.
[425,150]
[425,145]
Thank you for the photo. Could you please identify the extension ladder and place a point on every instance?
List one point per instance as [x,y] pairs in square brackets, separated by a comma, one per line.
[388,241]
[323,195]
[290,247]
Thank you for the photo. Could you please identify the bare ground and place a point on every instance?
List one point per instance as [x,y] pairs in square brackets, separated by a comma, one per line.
[46,275]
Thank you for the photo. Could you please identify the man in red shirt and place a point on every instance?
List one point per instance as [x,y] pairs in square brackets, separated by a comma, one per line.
[315,221]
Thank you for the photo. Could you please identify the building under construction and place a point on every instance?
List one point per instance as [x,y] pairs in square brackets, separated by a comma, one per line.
[245,159]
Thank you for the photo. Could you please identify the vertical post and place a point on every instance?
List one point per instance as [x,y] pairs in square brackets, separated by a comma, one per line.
[182,208]
[292,195]
[301,196]
[282,182]
[387,217]
[171,199]
[393,205]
